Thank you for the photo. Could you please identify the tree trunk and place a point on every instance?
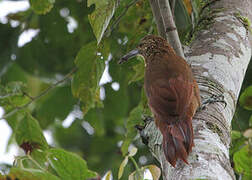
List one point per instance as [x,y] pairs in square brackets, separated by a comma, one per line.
[219,55]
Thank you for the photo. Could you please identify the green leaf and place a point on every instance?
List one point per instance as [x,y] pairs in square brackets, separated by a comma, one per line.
[29,134]
[96,118]
[122,166]
[12,95]
[53,106]
[235,135]
[108,175]
[85,84]
[100,18]
[246,98]
[243,161]
[68,165]
[30,174]
[41,6]
[133,120]
[139,72]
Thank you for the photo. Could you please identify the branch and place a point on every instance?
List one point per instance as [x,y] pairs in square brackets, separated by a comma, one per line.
[170,27]
[46,91]
[158,18]
[219,57]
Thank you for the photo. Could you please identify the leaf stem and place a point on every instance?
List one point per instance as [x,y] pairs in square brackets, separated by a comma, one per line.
[46,91]
[136,166]
[36,163]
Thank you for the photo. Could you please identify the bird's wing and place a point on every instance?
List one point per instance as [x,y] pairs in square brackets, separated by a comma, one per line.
[170,97]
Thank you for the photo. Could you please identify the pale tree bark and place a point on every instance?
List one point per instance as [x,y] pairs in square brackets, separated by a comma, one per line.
[219,55]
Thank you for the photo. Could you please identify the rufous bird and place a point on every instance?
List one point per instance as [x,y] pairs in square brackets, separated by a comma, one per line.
[173,95]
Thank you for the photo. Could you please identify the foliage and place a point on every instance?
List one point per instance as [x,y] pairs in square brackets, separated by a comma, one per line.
[57,76]
[241,147]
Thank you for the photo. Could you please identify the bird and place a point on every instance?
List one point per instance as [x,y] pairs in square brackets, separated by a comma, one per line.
[172,92]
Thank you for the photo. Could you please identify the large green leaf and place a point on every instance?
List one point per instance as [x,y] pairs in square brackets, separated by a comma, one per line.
[53,106]
[29,135]
[96,119]
[85,84]
[243,161]
[99,19]
[139,71]
[68,165]
[133,120]
[42,6]
[30,174]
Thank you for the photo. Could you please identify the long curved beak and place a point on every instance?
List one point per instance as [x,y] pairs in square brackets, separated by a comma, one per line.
[129,55]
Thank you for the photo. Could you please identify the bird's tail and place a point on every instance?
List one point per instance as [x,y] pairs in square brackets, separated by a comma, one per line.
[177,140]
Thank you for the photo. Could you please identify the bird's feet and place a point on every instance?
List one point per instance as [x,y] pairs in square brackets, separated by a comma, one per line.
[140,128]
[213,99]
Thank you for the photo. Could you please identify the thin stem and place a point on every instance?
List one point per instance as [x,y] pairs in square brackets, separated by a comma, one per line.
[46,91]
[136,166]
[35,162]
[27,95]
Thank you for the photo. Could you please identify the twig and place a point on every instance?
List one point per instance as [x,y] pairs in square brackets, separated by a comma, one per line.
[116,22]
[170,27]
[27,95]
[40,95]
[157,15]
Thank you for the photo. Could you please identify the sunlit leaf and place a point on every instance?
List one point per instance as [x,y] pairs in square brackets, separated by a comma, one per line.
[41,6]
[188,6]
[100,18]
[155,171]
[68,165]
[85,84]
[122,166]
[30,174]
[108,175]
[133,151]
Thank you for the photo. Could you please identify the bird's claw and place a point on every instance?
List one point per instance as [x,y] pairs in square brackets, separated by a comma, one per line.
[213,99]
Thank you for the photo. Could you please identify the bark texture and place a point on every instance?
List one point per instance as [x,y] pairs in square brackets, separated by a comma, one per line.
[219,55]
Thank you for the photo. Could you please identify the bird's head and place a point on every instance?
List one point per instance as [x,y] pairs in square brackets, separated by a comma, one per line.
[147,47]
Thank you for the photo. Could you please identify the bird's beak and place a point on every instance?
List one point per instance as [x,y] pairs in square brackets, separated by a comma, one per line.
[129,55]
